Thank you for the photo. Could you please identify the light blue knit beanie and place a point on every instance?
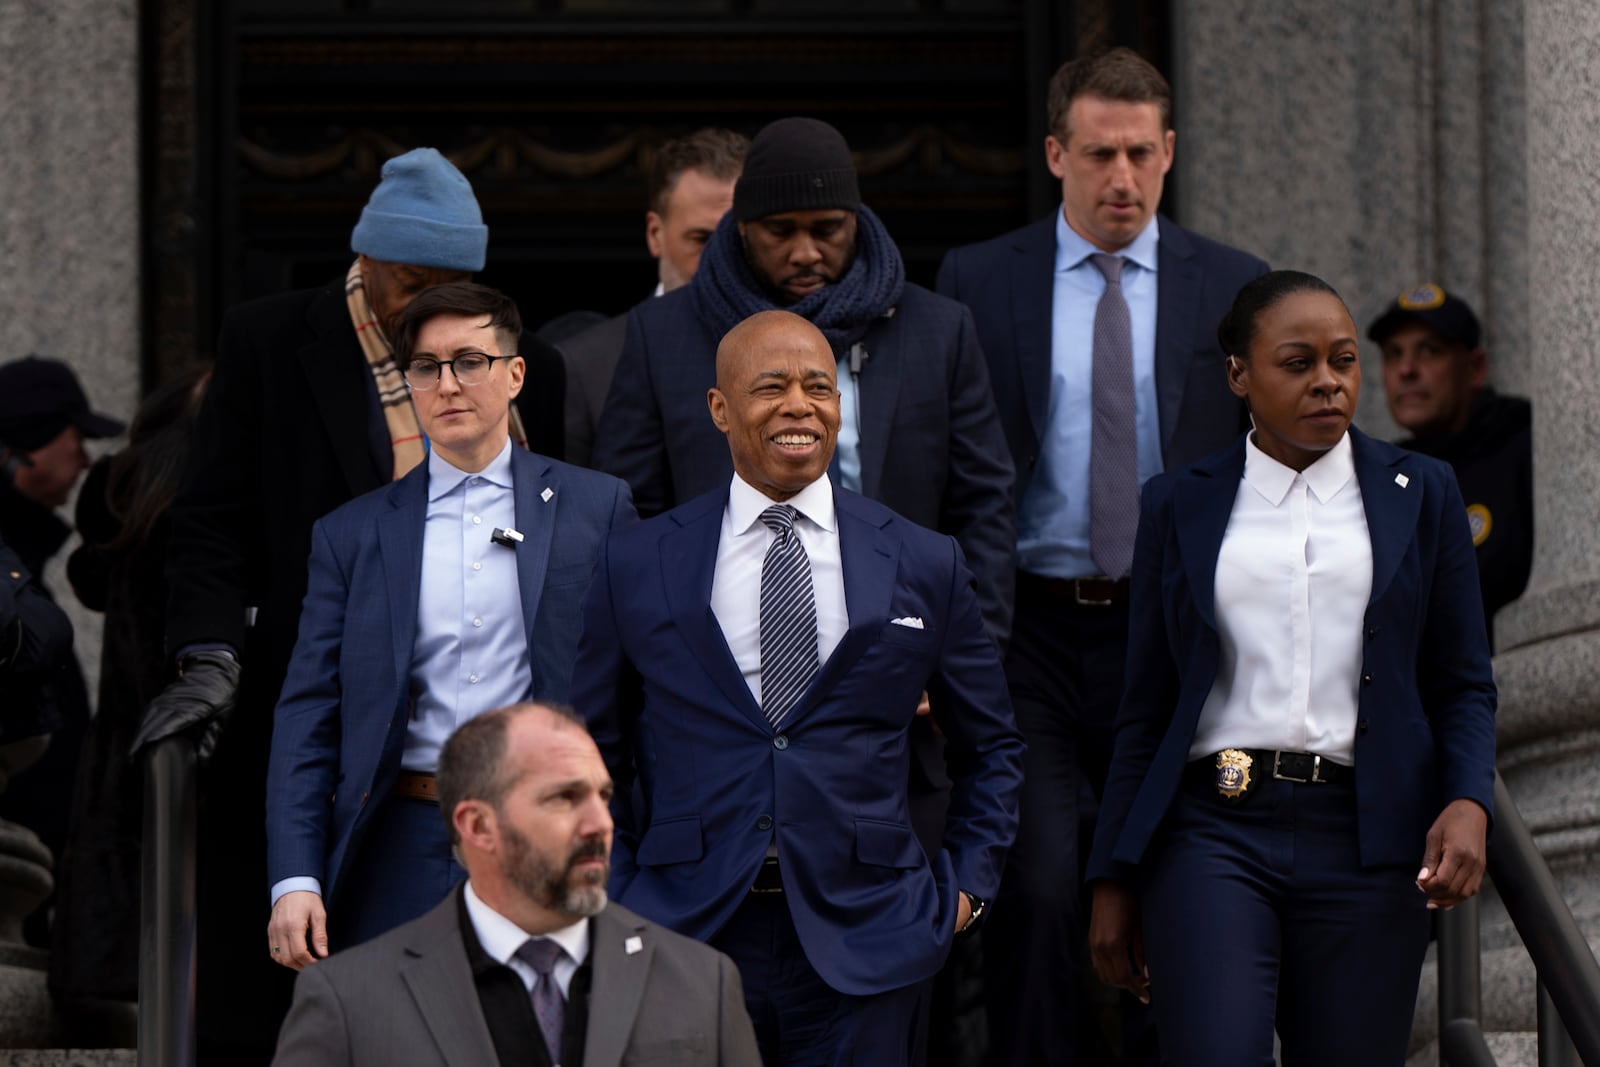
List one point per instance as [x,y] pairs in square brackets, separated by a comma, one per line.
[423,213]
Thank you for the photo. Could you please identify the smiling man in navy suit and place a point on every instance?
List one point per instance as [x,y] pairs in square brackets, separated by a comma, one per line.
[453,591]
[755,658]
[1098,325]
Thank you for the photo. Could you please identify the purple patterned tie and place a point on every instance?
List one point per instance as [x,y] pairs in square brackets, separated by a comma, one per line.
[788,617]
[549,1006]
[1113,444]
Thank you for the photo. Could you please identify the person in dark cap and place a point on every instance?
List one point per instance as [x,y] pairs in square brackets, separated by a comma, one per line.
[306,411]
[44,420]
[1436,382]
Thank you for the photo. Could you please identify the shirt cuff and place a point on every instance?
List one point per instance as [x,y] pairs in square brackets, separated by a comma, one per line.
[300,883]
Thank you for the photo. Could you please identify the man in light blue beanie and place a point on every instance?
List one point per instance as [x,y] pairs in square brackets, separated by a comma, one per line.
[306,411]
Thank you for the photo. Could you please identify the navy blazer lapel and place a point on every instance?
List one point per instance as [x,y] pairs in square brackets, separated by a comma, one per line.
[1392,508]
[1177,308]
[434,967]
[878,390]
[869,556]
[1202,503]
[688,569]
[532,476]
[334,367]
[621,973]
[400,544]
[1032,287]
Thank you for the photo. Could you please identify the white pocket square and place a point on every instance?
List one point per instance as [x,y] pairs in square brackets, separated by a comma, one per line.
[913,621]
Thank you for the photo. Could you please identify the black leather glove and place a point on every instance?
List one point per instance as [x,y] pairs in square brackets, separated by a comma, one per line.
[198,702]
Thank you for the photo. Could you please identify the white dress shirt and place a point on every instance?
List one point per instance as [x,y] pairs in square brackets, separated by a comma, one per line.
[736,588]
[500,938]
[1292,583]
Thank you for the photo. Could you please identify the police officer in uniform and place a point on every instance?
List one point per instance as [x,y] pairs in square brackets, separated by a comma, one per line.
[1436,381]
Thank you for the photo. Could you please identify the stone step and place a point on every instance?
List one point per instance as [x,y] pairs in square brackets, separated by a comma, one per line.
[1511,1048]
[69,1057]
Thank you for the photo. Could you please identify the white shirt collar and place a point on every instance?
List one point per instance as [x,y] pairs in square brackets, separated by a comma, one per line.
[661,287]
[500,937]
[444,476]
[1072,249]
[1330,473]
[746,503]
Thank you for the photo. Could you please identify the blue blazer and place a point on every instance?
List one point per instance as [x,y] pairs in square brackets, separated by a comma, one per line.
[340,725]
[664,696]
[1008,282]
[1425,731]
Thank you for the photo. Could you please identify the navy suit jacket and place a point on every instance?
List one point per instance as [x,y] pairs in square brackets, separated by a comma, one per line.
[340,725]
[1425,727]
[664,696]
[1008,282]
[931,446]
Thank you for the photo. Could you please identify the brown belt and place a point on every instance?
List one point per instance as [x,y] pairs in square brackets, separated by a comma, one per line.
[412,786]
[1094,592]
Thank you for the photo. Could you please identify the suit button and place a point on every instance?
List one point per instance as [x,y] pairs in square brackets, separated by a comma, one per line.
[780,742]
[764,823]
[1362,726]
[1366,679]
[1372,632]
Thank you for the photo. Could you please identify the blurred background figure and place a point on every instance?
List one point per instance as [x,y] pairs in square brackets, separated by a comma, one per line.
[122,517]
[1436,382]
[691,188]
[44,420]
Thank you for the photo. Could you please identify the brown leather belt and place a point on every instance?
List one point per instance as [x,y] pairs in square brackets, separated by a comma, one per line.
[413,786]
[1099,592]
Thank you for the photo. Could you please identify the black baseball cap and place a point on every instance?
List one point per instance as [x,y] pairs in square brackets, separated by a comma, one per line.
[1449,316]
[41,397]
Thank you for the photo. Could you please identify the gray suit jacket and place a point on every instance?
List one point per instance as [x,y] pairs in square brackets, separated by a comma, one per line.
[591,359]
[407,999]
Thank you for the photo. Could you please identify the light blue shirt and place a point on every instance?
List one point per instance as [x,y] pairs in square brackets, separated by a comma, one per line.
[1053,518]
[848,446]
[471,650]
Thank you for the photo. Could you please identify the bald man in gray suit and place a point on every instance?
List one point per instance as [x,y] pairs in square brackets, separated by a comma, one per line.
[527,801]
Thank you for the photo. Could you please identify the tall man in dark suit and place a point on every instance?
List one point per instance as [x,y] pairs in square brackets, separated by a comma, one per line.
[455,590]
[691,188]
[1099,327]
[527,964]
[755,657]
[306,411]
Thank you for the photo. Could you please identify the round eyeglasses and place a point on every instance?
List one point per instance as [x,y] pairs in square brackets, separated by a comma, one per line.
[470,368]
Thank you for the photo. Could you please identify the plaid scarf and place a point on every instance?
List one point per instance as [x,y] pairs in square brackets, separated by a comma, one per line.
[394,399]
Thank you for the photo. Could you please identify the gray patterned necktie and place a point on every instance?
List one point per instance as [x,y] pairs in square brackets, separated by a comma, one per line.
[788,617]
[549,1006]
[1113,443]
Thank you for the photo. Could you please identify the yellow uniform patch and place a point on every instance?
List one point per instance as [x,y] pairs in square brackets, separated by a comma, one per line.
[1481,522]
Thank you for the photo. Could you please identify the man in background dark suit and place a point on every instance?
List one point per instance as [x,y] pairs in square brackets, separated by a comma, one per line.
[527,964]
[305,412]
[691,188]
[1038,296]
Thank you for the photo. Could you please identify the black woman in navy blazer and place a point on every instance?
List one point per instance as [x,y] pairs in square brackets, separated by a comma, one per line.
[1231,893]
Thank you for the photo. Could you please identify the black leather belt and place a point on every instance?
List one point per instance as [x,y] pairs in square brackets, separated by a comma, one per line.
[1099,592]
[1300,767]
[768,878]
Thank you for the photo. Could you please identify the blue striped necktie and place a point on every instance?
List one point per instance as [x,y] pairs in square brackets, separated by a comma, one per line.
[788,617]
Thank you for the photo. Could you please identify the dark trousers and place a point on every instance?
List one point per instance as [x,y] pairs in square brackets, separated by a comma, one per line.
[1261,913]
[1064,669]
[800,1020]
[402,869]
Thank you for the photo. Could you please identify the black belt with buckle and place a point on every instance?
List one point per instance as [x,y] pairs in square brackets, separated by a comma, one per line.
[1098,592]
[1234,772]
[768,879]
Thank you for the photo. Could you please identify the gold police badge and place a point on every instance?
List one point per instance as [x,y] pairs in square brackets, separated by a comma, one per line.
[1233,773]
[1480,522]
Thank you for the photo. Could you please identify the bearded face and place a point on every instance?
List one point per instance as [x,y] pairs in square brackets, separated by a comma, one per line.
[574,885]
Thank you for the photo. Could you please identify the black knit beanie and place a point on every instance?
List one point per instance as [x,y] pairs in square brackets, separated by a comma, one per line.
[796,164]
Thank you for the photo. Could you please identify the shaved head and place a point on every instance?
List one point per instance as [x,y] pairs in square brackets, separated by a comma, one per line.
[760,332]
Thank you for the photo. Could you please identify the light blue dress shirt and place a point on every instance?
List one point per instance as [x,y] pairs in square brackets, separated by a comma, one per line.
[848,445]
[471,648]
[1053,518]
[471,651]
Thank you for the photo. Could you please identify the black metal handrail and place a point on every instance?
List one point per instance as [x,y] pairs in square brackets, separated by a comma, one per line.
[1569,976]
[167,907]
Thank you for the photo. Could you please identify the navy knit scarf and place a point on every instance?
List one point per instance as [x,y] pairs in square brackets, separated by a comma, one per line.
[726,291]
